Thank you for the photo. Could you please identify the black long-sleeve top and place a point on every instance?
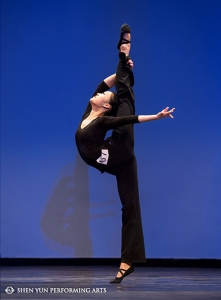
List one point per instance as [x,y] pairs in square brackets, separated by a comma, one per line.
[91,139]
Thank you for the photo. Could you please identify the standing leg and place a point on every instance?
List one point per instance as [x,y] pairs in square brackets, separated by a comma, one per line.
[132,249]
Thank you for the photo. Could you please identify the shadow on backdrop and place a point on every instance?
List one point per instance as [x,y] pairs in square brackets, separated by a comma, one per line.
[66,217]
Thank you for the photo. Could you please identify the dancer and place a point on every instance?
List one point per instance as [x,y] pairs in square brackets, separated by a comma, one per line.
[115,155]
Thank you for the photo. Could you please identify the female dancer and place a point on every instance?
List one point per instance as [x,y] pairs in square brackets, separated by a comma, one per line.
[115,155]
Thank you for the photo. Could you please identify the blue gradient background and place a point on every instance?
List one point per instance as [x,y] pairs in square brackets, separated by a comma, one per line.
[54,53]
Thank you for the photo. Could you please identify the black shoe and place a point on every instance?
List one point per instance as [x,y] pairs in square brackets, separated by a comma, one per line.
[124,29]
[126,273]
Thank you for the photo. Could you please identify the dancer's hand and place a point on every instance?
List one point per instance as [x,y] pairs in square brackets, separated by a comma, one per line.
[165,113]
[130,63]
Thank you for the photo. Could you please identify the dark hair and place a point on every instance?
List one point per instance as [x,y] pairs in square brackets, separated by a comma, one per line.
[114,104]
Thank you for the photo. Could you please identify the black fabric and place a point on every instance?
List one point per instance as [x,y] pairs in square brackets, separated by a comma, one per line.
[132,248]
[122,161]
[91,140]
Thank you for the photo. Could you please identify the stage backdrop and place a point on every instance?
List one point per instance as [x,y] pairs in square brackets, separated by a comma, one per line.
[54,53]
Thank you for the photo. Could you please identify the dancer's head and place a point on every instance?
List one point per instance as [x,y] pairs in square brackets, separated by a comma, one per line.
[105,102]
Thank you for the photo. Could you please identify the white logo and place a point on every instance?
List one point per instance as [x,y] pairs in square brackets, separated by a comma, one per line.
[9,290]
[103,159]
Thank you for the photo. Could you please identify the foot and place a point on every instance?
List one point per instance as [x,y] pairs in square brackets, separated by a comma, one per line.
[124,38]
[125,270]
[125,47]
[123,266]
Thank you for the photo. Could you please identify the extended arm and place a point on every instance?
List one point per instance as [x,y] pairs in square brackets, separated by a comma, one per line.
[163,114]
[111,123]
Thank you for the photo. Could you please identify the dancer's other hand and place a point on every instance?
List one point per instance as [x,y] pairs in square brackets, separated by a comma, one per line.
[130,63]
[165,113]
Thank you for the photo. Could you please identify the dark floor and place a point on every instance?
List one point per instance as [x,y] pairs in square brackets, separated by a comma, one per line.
[92,282]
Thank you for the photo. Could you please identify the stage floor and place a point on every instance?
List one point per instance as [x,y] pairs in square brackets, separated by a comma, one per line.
[92,282]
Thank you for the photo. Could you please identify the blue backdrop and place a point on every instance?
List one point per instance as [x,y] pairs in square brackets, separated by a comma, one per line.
[54,53]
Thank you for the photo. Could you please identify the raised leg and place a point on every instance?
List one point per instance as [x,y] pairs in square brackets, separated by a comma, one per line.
[124,83]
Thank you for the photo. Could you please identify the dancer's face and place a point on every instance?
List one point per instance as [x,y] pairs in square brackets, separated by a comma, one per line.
[101,100]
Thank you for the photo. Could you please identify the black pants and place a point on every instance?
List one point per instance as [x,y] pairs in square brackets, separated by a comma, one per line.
[132,249]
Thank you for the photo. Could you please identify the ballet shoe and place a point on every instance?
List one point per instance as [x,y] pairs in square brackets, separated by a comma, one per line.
[124,29]
[126,273]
